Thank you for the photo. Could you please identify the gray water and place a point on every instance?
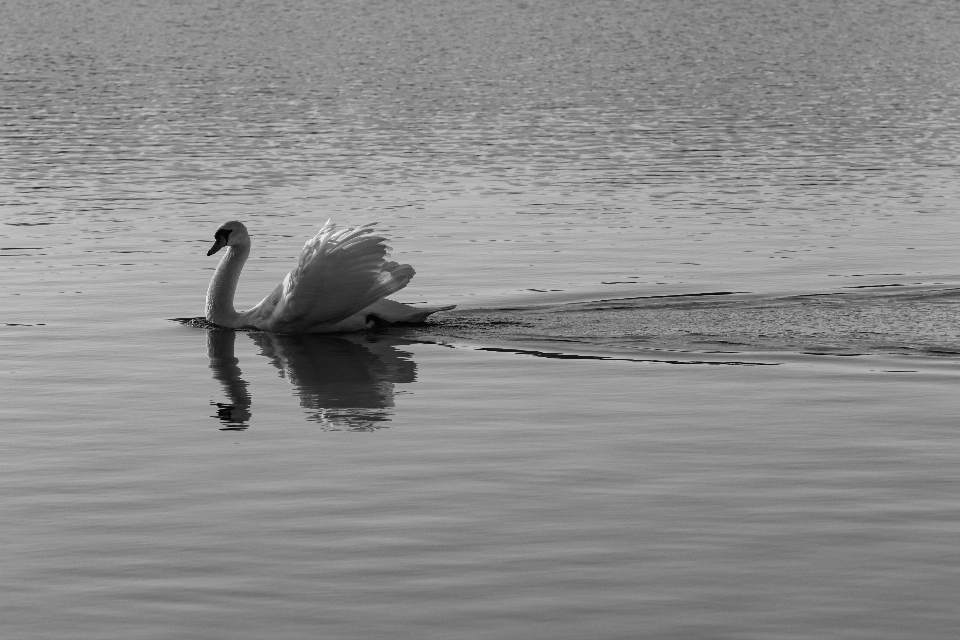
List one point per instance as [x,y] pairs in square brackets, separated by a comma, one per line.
[699,383]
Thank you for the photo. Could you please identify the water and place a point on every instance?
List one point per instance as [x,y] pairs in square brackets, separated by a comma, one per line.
[699,382]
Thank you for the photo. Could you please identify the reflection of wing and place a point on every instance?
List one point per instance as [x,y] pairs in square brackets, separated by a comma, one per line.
[339,273]
[236,413]
[345,379]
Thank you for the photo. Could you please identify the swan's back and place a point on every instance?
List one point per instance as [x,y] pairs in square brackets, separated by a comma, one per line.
[339,273]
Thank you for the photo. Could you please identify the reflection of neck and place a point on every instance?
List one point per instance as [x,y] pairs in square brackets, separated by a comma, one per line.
[224,285]
[226,368]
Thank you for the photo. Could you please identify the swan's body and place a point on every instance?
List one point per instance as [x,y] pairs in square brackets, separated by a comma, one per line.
[339,284]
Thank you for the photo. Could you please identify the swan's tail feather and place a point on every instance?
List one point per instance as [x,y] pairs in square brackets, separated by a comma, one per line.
[390,311]
[419,314]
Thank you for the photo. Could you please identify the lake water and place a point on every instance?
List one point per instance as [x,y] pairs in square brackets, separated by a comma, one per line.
[700,383]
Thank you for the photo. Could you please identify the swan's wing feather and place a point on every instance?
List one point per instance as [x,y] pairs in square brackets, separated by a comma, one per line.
[339,273]
[259,315]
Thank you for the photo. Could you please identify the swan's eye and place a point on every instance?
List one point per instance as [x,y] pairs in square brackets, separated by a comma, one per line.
[222,235]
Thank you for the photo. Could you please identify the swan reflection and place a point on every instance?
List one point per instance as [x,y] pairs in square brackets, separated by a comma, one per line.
[345,382]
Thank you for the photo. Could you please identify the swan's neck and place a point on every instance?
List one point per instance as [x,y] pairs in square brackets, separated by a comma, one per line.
[224,285]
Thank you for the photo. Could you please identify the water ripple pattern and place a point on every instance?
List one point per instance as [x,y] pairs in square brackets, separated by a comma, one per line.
[536,146]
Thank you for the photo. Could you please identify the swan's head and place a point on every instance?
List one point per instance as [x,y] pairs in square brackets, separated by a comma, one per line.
[230,234]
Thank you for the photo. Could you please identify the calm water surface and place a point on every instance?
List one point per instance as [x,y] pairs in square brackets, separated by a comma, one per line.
[589,446]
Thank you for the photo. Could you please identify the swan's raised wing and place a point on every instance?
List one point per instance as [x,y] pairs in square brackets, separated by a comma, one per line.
[339,273]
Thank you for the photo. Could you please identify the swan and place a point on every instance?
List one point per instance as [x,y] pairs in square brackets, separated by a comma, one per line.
[340,284]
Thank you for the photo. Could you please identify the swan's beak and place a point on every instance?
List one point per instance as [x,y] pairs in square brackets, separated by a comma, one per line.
[221,242]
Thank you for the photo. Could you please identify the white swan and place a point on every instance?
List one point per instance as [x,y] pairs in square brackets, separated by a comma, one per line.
[339,284]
